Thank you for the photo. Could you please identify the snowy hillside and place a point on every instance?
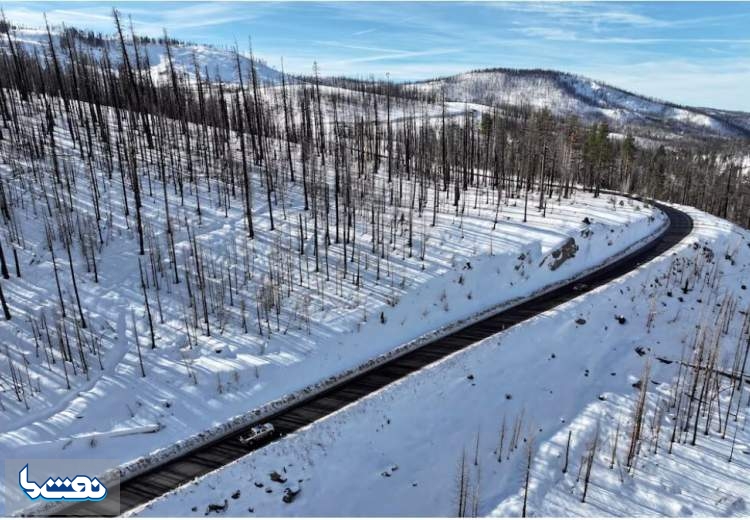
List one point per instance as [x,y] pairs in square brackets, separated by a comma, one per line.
[463,430]
[263,342]
[567,94]
[564,94]
[220,64]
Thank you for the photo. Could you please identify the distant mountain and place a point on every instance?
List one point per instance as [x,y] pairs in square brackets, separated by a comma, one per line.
[562,93]
[568,94]
[220,63]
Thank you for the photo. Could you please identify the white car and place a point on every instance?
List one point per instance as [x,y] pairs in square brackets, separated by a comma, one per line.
[257,433]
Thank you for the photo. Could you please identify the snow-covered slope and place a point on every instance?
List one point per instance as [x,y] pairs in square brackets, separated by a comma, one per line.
[220,64]
[195,381]
[572,373]
[568,94]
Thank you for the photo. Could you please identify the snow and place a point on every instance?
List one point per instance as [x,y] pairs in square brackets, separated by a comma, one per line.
[221,64]
[568,94]
[198,386]
[398,452]
[562,93]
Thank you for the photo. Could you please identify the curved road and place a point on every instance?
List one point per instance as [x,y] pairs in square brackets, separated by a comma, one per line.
[172,474]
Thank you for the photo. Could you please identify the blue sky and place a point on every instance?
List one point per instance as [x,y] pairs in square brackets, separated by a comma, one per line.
[695,53]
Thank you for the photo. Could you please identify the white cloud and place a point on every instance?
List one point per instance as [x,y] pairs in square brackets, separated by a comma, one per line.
[151,22]
[95,18]
[590,13]
[548,33]
[559,34]
[366,31]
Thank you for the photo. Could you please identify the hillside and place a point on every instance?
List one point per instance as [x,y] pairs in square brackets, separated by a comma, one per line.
[567,94]
[559,396]
[155,363]
[220,64]
[563,93]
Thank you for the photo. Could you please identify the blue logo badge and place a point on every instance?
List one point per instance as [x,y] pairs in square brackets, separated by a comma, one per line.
[78,489]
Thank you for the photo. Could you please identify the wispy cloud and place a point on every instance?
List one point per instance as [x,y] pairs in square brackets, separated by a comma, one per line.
[595,14]
[147,21]
[548,33]
[400,55]
[558,34]
[361,33]
[95,17]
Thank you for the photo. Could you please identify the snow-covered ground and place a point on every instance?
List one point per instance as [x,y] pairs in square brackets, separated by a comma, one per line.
[220,64]
[99,406]
[571,371]
[566,94]
[351,108]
